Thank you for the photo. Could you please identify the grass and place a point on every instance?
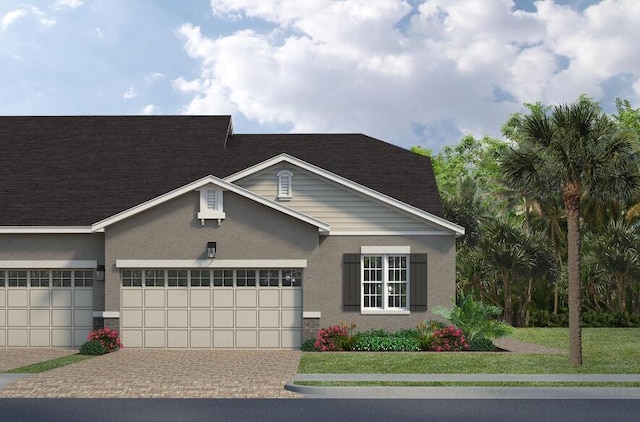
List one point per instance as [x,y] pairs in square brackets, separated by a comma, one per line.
[48,365]
[605,351]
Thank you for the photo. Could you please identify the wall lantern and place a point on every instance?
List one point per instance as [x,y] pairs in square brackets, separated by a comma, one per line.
[100,273]
[211,249]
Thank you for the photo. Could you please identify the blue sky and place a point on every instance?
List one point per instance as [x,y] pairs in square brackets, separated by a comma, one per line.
[409,72]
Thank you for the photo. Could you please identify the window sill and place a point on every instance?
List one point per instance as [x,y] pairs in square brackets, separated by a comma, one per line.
[211,215]
[385,312]
[285,198]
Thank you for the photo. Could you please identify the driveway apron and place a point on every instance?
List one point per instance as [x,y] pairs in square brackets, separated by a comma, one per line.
[162,373]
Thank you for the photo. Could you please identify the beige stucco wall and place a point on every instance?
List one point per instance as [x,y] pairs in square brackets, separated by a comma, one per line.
[322,287]
[172,231]
[37,247]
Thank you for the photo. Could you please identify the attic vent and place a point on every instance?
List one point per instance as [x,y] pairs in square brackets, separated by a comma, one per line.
[285,188]
[211,204]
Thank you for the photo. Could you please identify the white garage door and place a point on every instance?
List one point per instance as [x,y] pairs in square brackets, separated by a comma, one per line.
[225,308]
[45,308]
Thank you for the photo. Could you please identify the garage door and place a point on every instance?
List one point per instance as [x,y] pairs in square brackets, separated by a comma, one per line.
[203,308]
[45,308]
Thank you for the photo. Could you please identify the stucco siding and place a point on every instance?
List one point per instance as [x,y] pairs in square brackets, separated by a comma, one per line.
[172,231]
[324,294]
[343,208]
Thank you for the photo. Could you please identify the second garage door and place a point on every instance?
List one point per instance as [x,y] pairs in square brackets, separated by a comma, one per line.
[203,308]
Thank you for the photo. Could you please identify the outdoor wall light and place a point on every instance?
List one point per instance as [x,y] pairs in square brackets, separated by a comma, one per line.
[100,273]
[211,249]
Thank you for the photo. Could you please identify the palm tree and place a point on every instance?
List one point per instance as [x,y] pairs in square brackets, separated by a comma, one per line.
[578,151]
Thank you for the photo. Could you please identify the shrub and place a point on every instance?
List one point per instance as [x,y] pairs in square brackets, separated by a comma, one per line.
[107,337]
[336,338]
[482,345]
[92,347]
[449,339]
[377,341]
[475,319]
[309,346]
[424,333]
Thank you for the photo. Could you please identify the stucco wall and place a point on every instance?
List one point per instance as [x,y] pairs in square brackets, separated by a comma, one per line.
[172,231]
[37,247]
[322,288]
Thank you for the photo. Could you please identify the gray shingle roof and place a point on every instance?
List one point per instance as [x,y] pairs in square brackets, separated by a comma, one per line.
[77,170]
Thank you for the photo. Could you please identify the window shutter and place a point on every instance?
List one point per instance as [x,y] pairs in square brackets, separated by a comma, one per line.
[351,282]
[418,281]
[212,200]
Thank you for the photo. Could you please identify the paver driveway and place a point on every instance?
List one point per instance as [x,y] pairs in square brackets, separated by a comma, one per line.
[151,373]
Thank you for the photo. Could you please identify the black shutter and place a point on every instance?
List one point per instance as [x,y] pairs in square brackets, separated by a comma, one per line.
[351,282]
[418,281]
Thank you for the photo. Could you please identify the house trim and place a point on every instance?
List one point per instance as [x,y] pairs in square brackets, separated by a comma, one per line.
[45,264]
[193,186]
[388,233]
[106,314]
[45,229]
[211,263]
[416,212]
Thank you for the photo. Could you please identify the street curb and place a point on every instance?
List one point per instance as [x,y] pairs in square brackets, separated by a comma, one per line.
[561,393]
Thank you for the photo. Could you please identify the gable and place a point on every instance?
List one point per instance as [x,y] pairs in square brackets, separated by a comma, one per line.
[345,206]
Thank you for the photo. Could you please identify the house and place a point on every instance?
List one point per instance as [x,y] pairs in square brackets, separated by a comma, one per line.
[182,234]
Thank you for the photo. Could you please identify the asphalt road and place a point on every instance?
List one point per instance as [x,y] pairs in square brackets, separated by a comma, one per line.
[310,410]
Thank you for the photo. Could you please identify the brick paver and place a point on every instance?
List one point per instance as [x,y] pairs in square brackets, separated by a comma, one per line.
[11,358]
[171,374]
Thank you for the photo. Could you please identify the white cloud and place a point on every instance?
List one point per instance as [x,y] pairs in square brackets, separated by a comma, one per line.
[23,11]
[149,109]
[130,93]
[67,3]
[386,68]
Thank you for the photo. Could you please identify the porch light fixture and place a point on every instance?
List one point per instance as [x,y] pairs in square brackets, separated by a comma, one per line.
[100,273]
[211,249]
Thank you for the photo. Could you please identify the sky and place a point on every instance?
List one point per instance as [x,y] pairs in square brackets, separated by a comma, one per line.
[410,72]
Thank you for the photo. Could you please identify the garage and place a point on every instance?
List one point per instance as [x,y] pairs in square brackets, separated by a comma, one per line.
[45,307]
[203,308]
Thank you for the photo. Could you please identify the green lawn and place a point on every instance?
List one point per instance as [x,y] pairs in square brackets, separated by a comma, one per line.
[605,351]
[47,365]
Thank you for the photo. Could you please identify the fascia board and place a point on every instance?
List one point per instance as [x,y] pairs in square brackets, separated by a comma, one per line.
[410,209]
[100,225]
[45,229]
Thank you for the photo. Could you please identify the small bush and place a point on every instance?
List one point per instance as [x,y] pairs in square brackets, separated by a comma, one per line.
[309,346]
[449,339]
[336,338]
[481,345]
[424,333]
[107,337]
[397,342]
[92,347]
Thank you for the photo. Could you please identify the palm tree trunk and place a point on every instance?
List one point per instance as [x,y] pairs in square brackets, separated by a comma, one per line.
[508,307]
[571,197]
[622,303]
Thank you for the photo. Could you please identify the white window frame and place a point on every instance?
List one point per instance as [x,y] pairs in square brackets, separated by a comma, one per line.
[385,309]
[211,204]
[285,192]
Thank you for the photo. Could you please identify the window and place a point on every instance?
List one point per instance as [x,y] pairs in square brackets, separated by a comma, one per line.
[177,278]
[61,278]
[246,278]
[17,279]
[39,278]
[269,278]
[291,278]
[154,278]
[83,278]
[1,278]
[285,188]
[211,203]
[223,278]
[131,278]
[200,278]
[384,282]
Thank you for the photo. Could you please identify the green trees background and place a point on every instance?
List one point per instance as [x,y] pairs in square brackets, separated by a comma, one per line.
[552,215]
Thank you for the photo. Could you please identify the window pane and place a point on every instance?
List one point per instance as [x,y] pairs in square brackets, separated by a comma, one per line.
[200,278]
[177,278]
[154,278]
[223,278]
[39,278]
[17,279]
[269,278]
[83,278]
[246,278]
[132,278]
[291,278]
[2,277]
[61,278]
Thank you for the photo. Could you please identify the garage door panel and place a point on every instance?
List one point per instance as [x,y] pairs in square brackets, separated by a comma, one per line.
[246,318]
[83,298]
[291,338]
[61,298]
[268,298]
[246,298]
[291,319]
[17,298]
[177,339]
[223,319]
[223,298]
[268,319]
[154,338]
[3,298]
[131,298]
[17,318]
[200,318]
[154,318]
[200,339]
[132,338]
[3,318]
[269,339]
[62,338]
[3,338]
[177,298]
[83,317]
[80,336]
[17,338]
[62,318]
[39,298]
[292,298]
[39,338]
[223,339]
[154,298]
[246,339]
[200,298]
[131,318]
[39,318]
[177,318]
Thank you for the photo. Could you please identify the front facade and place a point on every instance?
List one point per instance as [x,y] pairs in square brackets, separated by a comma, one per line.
[182,235]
